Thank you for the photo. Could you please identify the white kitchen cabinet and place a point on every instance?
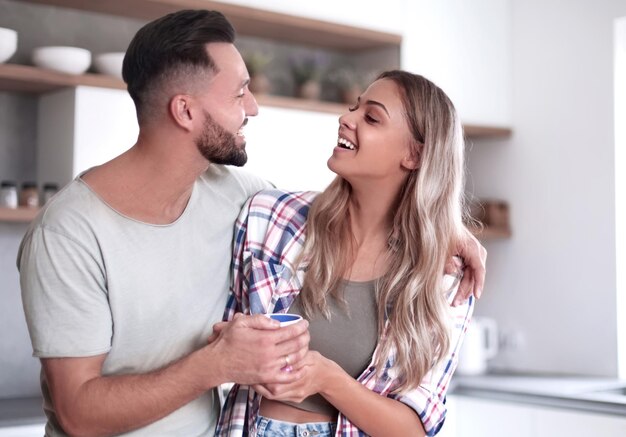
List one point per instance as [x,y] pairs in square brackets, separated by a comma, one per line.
[82,127]
[474,417]
[563,423]
[23,430]
[486,418]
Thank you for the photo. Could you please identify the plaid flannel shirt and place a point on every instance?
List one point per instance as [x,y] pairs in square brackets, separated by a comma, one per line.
[269,237]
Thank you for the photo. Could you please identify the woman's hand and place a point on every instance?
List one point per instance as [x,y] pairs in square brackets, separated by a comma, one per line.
[374,414]
[473,258]
[315,371]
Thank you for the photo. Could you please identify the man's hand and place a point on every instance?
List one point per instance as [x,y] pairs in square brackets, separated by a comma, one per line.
[256,350]
[471,258]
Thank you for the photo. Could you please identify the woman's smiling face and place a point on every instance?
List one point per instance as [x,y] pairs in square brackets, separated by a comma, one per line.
[374,141]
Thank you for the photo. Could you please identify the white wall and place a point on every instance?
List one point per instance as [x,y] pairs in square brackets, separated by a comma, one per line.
[290,147]
[465,48]
[620,186]
[555,279]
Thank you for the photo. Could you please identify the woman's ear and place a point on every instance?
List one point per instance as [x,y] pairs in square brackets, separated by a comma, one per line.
[181,111]
[412,159]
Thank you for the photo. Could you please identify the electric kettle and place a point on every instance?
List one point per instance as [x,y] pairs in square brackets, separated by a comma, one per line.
[479,346]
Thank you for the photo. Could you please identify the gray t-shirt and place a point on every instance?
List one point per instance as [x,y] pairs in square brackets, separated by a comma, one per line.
[349,338]
[95,281]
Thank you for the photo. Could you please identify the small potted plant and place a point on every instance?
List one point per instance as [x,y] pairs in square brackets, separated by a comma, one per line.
[307,71]
[256,63]
[348,82]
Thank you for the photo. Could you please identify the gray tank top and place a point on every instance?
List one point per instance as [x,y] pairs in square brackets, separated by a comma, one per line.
[348,338]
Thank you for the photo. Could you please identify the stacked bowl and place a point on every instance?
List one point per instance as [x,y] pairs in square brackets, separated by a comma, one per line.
[8,43]
[71,60]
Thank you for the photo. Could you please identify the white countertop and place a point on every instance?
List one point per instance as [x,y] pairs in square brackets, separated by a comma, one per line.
[21,411]
[605,395]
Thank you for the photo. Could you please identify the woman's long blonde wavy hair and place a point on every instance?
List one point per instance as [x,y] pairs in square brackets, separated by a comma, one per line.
[411,296]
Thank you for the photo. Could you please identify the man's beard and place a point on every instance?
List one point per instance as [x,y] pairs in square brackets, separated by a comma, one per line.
[218,146]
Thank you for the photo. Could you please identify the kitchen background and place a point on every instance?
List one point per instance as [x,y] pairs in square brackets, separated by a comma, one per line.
[547,69]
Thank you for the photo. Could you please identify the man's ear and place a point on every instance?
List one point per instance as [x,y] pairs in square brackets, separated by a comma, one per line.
[412,160]
[181,109]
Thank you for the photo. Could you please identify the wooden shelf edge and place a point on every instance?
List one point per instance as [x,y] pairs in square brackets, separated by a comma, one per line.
[247,21]
[491,233]
[18,215]
[26,78]
[479,131]
[471,131]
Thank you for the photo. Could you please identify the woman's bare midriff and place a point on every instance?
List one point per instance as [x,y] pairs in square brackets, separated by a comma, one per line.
[280,411]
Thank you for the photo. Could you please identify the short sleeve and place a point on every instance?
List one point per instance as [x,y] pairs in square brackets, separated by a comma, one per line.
[64,296]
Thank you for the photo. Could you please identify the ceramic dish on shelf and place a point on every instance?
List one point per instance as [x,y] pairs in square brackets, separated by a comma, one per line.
[72,60]
[8,43]
[109,63]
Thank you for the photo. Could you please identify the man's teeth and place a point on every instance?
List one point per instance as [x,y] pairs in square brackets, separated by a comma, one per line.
[347,144]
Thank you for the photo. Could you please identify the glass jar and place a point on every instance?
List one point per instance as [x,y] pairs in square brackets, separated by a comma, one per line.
[8,194]
[29,196]
[49,190]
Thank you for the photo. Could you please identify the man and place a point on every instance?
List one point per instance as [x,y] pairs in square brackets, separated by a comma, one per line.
[124,273]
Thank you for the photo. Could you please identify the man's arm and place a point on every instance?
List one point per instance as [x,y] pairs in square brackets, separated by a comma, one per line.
[250,349]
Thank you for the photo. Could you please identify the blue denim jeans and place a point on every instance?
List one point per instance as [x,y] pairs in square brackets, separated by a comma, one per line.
[276,428]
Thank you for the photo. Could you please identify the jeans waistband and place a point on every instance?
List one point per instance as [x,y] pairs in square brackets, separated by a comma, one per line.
[267,427]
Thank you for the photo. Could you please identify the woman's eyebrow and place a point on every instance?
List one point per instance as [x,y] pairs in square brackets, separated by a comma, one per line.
[374,102]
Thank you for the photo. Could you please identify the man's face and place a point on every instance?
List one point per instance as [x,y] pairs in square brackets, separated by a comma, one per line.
[227,104]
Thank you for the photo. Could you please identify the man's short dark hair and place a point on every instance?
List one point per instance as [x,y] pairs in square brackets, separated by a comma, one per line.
[168,46]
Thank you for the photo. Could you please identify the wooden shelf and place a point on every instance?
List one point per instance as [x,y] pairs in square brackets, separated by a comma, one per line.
[18,215]
[24,78]
[248,21]
[25,215]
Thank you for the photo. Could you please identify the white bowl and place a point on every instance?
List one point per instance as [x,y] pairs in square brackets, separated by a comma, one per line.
[72,60]
[109,63]
[8,43]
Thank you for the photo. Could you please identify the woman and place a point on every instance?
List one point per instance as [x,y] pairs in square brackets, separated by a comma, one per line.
[363,262]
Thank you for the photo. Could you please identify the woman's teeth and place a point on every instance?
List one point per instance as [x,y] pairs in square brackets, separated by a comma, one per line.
[342,142]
